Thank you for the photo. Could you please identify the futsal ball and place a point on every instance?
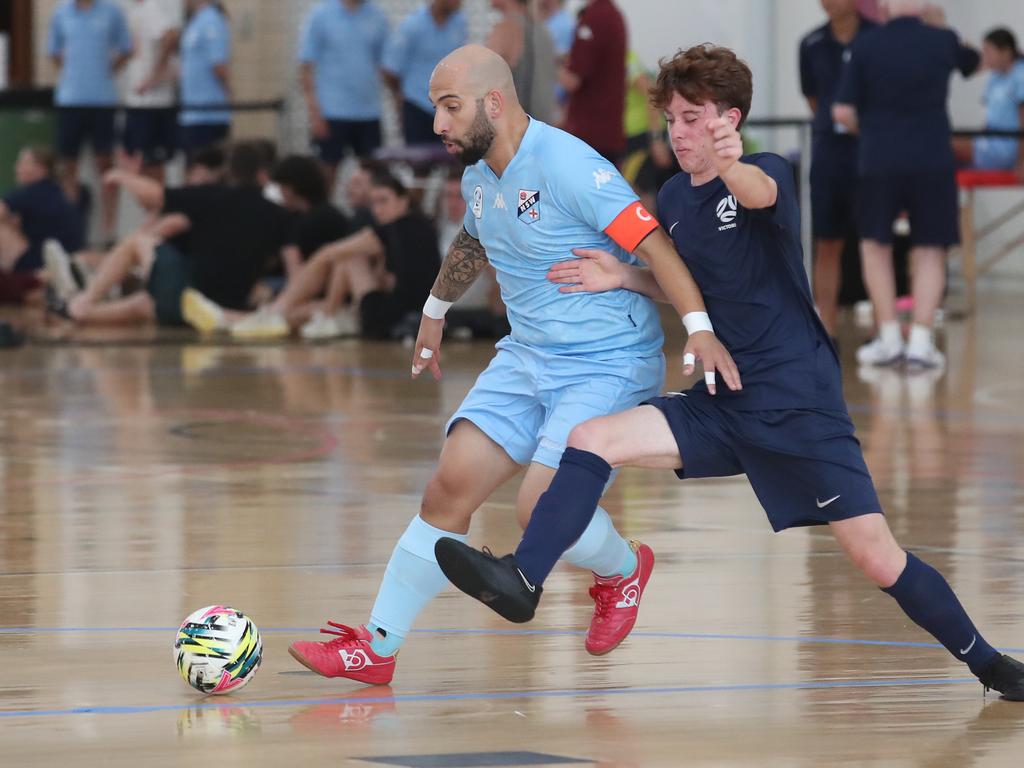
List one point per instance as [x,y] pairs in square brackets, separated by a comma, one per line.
[218,649]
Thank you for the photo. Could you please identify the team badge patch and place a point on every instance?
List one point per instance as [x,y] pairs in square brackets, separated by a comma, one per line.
[478,202]
[529,205]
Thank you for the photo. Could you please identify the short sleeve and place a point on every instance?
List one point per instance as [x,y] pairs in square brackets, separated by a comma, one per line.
[592,190]
[55,36]
[398,47]
[586,48]
[310,39]
[808,86]
[851,79]
[786,211]
[1018,82]
[122,36]
[218,42]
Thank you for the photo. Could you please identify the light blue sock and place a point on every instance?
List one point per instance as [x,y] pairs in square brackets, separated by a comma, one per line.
[602,549]
[411,580]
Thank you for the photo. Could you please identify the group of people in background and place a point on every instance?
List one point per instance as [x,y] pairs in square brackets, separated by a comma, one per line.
[883,156]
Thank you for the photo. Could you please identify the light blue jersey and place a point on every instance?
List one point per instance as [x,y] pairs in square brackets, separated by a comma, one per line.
[205,44]
[87,39]
[415,48]
[558,194]
[345,49]
[1004,95]
[562,28]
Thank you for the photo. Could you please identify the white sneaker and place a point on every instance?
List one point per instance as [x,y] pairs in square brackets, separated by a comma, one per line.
[262,324]
[201,313]
[879,352]
[925,356]
[58,269]
[324,326]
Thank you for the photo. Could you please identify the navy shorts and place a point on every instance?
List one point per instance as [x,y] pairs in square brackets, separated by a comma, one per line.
[361,136]
[192,138]
[805,466]
[833,206]
[417,125]
[153,133]
[78,125]
[929,198]
[169,276]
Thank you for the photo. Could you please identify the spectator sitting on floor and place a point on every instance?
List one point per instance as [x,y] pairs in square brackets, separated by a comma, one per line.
[35,211]
[233,233]
[1004,108]
[385,273]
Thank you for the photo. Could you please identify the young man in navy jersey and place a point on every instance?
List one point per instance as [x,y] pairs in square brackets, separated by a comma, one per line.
[833,148]
[736,223]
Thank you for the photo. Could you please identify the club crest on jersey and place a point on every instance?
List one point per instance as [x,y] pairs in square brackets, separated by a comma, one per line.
[478,202]
[529,205]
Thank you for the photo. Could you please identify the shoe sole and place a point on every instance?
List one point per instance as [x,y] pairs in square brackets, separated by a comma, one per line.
[197,314]
[643,586]
[458,565]
[58,268]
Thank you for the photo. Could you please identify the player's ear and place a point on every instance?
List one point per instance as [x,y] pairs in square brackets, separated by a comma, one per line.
[494,104]
[734,116]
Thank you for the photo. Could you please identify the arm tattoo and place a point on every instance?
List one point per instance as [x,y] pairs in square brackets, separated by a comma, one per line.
[465,260]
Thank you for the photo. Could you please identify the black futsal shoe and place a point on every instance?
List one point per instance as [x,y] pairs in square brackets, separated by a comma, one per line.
[1006,675]
[496,582]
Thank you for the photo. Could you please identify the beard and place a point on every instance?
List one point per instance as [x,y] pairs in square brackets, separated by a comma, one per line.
[478,139]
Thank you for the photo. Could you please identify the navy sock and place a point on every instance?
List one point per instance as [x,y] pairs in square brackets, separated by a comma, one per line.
[562,513]
[926,597]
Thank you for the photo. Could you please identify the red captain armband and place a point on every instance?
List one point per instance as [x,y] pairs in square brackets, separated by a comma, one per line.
[631,226]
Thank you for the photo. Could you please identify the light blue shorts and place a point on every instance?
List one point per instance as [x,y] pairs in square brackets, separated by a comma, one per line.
[994,153]
[527,401]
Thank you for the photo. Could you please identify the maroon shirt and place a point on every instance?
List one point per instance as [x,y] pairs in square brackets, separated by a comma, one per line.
[598,58]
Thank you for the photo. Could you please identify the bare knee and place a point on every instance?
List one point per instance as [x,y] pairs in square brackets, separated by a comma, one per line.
[443,505]
[590,436]
[880,562]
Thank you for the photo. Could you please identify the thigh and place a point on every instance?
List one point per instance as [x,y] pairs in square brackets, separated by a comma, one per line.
[576,390]
[806,467]
[639,437]
[503,404]
[168,279]
[934,209]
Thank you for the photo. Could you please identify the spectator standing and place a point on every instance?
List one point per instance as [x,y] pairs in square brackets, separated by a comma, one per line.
[205,76]
[527,46]
[833,149]
[420,41]
[562,28]
[89,41]
[340,52]
[148,84]
[595,78]
[1004,107]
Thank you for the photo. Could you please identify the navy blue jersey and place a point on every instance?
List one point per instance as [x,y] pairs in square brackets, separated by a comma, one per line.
[821,65]
[897,76]
[749,267]
[45,213]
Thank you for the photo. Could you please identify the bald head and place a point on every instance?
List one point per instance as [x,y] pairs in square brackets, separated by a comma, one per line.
[905,7]
[471,72]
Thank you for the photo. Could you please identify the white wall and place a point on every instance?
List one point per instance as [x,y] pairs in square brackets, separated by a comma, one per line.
[766,33]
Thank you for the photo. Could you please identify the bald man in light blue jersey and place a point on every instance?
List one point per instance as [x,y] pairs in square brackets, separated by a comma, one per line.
[534,195]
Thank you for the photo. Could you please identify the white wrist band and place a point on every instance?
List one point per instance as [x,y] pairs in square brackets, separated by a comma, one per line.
[696,321]
[436,309]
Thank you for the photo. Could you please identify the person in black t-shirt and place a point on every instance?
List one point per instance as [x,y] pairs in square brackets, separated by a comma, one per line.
[234,232]
[384,273]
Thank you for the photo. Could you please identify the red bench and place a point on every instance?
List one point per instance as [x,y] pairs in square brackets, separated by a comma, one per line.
[968,181]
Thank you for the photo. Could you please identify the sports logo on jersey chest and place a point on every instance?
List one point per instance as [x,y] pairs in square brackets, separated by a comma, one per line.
[529,205]
[726,212]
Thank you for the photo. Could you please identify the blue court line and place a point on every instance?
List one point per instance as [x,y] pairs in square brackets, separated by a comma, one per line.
[812,639]
[492,696]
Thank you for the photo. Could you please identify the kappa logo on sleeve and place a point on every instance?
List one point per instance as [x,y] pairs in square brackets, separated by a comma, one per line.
[529,205]
[478,201]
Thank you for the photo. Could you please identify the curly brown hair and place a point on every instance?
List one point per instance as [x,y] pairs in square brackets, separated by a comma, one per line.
[705,73]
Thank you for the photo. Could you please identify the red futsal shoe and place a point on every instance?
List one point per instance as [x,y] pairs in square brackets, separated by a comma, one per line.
[347,655]
[617,602]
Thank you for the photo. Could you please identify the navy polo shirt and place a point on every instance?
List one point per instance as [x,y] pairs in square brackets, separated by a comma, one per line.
[897,76]
[821,64]
[749,267]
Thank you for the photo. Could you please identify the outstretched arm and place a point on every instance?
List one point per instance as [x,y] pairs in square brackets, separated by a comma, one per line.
[462,265]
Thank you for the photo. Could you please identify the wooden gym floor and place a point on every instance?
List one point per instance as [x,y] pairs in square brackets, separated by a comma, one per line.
[149,476]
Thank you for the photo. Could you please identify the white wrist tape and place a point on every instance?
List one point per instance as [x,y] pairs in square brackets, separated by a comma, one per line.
[436,309]
[697,321]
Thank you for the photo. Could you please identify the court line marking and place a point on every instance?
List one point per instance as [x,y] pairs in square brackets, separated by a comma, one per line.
[492,696]
[814,639]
